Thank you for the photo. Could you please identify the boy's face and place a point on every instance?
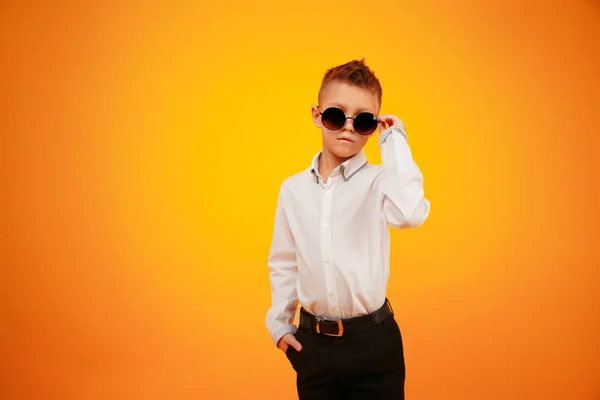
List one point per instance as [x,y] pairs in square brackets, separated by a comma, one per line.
[352,100]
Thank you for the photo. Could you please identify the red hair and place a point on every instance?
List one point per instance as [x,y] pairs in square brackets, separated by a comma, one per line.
[354,72]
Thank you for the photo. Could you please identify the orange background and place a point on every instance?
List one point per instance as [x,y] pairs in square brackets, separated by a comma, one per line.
[142,147]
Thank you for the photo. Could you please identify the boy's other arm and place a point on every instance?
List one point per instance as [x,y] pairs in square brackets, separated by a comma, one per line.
[401,183]
[283,274]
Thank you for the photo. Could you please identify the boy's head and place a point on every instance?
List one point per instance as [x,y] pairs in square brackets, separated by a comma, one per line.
[347,92]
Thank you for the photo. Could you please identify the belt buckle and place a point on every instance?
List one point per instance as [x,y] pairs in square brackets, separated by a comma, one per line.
[340,325]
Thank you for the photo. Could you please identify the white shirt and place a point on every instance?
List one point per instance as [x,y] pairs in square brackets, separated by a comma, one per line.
[330,246]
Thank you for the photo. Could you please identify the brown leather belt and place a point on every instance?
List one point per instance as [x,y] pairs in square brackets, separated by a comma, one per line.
[337,328]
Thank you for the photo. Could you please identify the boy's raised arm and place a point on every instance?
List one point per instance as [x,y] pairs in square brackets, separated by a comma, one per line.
[401,183]
[283,273]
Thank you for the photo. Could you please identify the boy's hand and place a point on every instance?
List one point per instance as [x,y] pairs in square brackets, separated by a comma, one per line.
[289,340]
[387,120]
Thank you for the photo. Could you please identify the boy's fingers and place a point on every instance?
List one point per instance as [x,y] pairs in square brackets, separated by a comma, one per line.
[389,120]
[294,343]
[283,342]
[384,122]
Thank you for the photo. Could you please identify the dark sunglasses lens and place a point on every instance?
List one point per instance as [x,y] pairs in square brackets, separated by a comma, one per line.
[365,123]
[333,118]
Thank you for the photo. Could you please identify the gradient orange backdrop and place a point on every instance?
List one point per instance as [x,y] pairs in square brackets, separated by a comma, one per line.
[142,147]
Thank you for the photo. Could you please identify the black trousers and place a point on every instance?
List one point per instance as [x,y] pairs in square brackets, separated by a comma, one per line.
[363,364]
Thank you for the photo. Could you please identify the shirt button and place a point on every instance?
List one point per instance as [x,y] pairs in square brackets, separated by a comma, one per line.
[324,224]
[328,192]
[327,260]
[330,293]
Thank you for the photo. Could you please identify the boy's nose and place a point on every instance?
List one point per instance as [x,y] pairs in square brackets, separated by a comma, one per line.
[349,125]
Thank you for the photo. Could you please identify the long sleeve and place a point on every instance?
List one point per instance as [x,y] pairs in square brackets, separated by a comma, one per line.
[401,183]
[283,274]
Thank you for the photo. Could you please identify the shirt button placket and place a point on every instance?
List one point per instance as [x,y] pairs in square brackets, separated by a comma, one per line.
[326,248]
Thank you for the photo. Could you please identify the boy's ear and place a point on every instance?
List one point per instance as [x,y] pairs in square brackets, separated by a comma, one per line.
[316,116]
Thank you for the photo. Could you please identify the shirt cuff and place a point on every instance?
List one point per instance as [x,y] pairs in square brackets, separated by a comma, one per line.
[278,334]
[395,128]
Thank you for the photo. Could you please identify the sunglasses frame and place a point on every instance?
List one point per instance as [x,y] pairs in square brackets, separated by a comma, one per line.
[347,118]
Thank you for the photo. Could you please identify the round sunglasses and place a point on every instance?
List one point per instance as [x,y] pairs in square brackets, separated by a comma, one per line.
[334,119]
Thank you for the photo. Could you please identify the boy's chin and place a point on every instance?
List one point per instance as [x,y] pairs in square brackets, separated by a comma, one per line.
[345,152]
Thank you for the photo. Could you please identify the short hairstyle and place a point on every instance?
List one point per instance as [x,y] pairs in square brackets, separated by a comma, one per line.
[354,72]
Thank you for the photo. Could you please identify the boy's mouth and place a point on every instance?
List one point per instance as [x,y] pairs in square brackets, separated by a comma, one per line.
[344,139]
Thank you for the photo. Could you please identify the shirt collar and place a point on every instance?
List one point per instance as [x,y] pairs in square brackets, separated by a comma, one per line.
[348,168]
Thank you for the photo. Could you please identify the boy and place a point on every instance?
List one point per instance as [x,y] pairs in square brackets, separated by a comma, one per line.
[330,248]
